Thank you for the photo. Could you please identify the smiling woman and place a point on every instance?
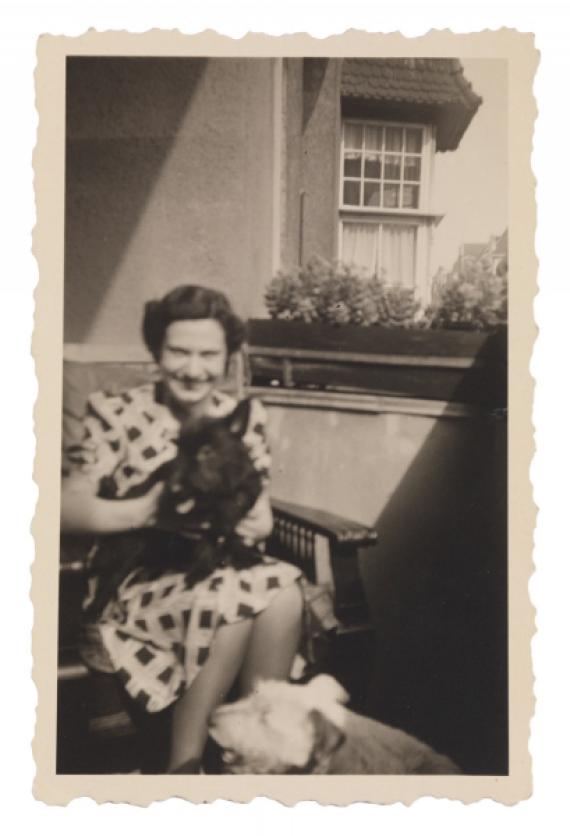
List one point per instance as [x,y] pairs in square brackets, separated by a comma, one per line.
[174,642]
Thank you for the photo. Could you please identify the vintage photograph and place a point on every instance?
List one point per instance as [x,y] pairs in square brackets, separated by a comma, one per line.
[284,503]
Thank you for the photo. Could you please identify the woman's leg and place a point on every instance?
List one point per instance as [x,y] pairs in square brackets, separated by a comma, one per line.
[262,647]
[274,639]
[192,711]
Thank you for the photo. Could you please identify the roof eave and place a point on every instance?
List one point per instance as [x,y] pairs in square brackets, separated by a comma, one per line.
[451,119]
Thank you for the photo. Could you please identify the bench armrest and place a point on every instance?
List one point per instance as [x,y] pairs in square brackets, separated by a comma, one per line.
[339,530]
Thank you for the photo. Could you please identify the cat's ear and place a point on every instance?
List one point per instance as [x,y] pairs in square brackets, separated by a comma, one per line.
[238,420]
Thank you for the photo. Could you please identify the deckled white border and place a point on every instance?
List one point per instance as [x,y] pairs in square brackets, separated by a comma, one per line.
[552,403]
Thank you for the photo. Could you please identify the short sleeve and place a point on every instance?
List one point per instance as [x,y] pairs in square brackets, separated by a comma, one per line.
[255,439]
[99,451]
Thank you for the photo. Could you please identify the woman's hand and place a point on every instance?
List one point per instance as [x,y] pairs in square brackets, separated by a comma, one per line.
[258,524]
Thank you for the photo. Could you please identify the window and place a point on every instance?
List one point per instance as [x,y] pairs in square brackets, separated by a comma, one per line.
[382,166]
[384,196]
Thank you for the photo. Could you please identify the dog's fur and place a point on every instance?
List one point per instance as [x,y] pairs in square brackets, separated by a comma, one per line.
[214,477]
[283,729]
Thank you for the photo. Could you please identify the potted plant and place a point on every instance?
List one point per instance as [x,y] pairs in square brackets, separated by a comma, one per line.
[331,328]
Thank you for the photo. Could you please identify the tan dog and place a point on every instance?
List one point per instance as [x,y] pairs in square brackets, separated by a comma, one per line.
[283,728]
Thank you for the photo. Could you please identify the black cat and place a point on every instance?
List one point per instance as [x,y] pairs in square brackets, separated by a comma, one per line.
[214,477]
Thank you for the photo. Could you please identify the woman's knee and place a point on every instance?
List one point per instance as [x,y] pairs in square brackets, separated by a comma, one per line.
[287,604]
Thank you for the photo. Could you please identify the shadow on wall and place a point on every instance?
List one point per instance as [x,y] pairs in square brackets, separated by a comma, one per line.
[437,586]
[122,116]
[314,71]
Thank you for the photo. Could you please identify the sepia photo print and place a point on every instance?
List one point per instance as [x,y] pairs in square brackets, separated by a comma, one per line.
[284,368]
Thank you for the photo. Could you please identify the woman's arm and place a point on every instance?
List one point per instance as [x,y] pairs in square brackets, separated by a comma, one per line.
[258,524]
[83,512]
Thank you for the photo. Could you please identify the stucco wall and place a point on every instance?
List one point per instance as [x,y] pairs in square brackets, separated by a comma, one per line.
[169,179]
[310,161]
[435,489]
[321,155]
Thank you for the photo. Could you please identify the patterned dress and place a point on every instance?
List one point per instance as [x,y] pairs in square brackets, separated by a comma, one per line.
[156,633]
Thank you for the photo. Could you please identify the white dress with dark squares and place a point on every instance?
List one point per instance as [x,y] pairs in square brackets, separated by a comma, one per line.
[157,632]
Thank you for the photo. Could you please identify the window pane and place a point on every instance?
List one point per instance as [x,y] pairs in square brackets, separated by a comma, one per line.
[410,197]
[373,138]
[394,139]
[414,140]
[391,196]
[360,246]
[372,166]
[352,135]
[371,194]
[392,167]
[398,254]
[351,193]
[412,168]
[352,165]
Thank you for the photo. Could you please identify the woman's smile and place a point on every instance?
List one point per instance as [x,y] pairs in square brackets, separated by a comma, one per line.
[184,389]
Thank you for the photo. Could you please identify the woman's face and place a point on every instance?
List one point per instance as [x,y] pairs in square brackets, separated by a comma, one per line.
[193,359]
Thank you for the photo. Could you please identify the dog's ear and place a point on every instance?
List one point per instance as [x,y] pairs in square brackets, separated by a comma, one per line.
[326,689]
[327,737]
[238,420]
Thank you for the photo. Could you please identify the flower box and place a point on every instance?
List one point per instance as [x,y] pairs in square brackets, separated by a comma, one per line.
[461,366]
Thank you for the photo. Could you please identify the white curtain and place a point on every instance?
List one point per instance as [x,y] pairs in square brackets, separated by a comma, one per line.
[390,249]
[398,254]
[360,247]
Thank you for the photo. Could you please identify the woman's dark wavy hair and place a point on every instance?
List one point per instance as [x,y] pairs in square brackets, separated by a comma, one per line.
[190,302]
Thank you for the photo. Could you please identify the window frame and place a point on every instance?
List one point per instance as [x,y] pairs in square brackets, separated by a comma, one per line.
[424,182]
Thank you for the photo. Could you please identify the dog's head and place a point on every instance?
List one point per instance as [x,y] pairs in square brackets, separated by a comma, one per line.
[213,463]
[281,728]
